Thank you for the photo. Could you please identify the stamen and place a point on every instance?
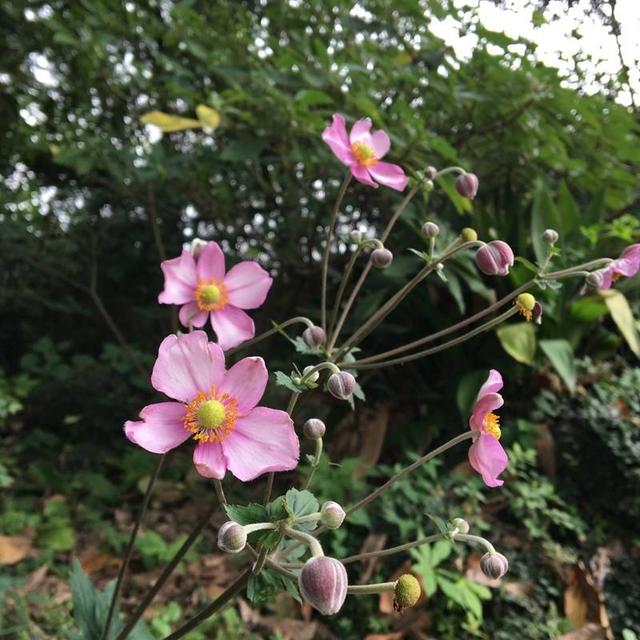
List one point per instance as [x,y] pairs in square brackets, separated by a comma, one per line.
[364,154]
[211,416]
[492,425]
[211,295]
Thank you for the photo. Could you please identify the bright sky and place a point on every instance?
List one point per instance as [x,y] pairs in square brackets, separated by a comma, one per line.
[555,40]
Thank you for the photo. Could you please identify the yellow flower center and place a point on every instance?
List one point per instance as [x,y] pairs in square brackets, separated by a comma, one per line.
[525,303]
[364,154]
[492,425]
[211,295]
[615,276]
[211,416]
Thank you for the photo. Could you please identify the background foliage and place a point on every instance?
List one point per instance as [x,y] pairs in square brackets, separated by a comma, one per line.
[92,199]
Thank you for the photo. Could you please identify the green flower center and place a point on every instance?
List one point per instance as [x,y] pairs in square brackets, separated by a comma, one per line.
[210,294]
[211,414]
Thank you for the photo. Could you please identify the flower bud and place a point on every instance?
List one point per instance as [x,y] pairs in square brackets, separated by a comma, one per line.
[430,229]
[461,525]
[323,584]
[550,236]
[595,280]
[430,173]
[332,515]
[356,236]
[232,537]
[495,258]
[308,376]
[341,385]
[494,565]
[526,301]
[314,428]
[314,336]
[407,592]
[469,235]
[381,258]
[467,185]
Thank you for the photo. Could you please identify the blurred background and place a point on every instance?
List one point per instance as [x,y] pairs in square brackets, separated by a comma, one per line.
[538,98]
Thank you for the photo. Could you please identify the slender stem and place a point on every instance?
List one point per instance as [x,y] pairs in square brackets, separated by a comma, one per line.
[465,537]
[228,594]
[166,573]
[129,550]
[442,347]
[343,285]
[269,490]
[327,250]
[305,538]
[392,550]
[276,329]
[362,589]
[259,526]
[217,484]
[316,462]
[578,267]
[311,517]
[444,172]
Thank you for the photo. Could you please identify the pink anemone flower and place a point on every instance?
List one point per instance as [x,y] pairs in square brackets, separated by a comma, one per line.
[486,454]
[205,290]
[217,408]
[362,150]
[627,265]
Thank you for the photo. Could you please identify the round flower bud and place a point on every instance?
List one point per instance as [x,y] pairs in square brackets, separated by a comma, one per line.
[428,185]
[314,336]
[323,584]
[308,376]
[341,385]
[407,592]
[550,236]
[595,280]
[494,258]
[467,185]
[469,235]
[314,428]
[526,301]
[430,229]
[494,565]
[356,236]
[381,258]
[232,537]
[332,515]
[461,525]
[430,173]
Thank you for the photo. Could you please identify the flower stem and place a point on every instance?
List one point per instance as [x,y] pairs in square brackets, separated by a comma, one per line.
[129,550]
[217,485]
[311,542]
[316,462]
[327,249]
[362,589]
[465,537]
[278,327]
[392,550]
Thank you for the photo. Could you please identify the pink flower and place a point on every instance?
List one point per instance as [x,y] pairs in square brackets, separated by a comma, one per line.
[205,290]
[217,408]
[361,151]
[495,258]
[486,454]
[628,264]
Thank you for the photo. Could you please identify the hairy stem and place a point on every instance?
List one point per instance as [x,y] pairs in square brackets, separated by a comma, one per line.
[362,589]
[276,329]
[392,550]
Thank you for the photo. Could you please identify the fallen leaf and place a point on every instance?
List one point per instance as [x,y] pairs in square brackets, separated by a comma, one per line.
[584,601]
[590,631]
[13,549]
[34,580]
[167,122]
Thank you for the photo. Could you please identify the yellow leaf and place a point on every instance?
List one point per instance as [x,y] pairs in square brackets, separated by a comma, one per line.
[622,315]
[14,548]
[167,122]
[208,117]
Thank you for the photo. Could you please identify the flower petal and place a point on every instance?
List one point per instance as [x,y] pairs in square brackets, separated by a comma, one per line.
[489,402]
[336,137]
[248,284]
[390,175]
[180,279]
[360,132]
[492,384]
[211,262]
[187,364]
[191,316]
[209,460]
[361,174]
[232,326]
[161,428]
[489,459]
[607,277]
[246,382]
[264,440]
[380,143]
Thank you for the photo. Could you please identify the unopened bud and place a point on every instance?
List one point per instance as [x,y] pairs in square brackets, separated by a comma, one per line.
[430,173]
[428,185]
[494,565]
[197,245]
[495,258]
[314,428]
[407,592]
[232,537]
[595,280]
[430,229]
[332,515]
[469,235]
[323,584]
[381,258]
[461,525]
[341,384]
[356,236]
[310,375]
[467,185]
[314,336]
[550,236]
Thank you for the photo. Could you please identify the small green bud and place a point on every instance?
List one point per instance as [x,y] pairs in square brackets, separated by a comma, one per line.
[332,515]
[526,301]
[407,592]
[461,525]
[469,235]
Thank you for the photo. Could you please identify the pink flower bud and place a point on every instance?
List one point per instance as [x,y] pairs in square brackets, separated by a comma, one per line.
[595,279]
[430,229]
[467,185]
[495,258]
[314,428]
[341,385]
[232,537]
[494,565]
[550,236]
[323,584]
[381,258]
[430,172]
[332,514]
[314,336]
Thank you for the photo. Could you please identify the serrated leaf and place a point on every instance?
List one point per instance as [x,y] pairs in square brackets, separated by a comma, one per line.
[440,551]
[623,317]
[208,117]
[169,123]
[299,504]
[439,522]
[284,380]
[519,341]
[247,514]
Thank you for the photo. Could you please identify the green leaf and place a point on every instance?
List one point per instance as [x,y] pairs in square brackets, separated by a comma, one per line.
[311,98]
[247,514]
[299,504]
[623,317]
[462,205]
[441,551]
[467,390]
[527,264]
[544,215]
[561,356]
[589,309]
[286,381]
[83,596]
[440,523]
[243,150]
[519,341]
